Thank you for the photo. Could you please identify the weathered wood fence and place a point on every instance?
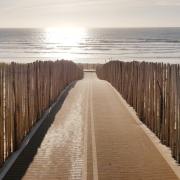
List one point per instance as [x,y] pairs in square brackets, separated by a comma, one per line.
[153,89]
[26,91]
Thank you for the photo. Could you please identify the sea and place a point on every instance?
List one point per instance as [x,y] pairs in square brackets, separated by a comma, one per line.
[96,45]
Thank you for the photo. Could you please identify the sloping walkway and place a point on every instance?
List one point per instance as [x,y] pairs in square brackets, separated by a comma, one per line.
[95,137]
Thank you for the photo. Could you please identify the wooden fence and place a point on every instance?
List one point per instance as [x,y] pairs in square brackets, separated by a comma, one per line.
[26,91]
[153,89]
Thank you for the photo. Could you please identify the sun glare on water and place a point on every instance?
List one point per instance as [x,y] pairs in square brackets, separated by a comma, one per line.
[65,42]
[66,36]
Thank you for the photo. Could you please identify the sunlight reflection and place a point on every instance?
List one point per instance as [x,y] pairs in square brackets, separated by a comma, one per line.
[65,36]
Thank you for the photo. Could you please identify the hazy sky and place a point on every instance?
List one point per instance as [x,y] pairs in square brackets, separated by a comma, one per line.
[89,13]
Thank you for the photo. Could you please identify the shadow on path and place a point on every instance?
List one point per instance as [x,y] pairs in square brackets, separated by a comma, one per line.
[19,168]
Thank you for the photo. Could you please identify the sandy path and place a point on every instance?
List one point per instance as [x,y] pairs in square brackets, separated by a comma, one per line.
[95,137]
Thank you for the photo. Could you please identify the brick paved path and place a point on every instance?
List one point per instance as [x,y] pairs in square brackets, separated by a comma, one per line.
[94,137]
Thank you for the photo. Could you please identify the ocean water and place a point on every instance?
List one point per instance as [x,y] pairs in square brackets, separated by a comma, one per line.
[90,45]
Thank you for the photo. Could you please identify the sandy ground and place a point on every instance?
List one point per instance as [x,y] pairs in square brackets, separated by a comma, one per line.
[96,136]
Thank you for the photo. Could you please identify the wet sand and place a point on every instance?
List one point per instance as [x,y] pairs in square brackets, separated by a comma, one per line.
[95,137]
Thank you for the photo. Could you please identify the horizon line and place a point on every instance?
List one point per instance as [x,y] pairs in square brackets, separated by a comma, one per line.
[103,27]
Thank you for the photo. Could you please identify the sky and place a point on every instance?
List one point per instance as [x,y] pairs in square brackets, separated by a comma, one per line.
[89,13]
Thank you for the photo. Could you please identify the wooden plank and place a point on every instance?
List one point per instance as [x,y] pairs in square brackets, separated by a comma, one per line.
[153,90]
[26,90]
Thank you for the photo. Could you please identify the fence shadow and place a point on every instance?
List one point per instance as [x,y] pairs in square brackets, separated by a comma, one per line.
[19,168]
